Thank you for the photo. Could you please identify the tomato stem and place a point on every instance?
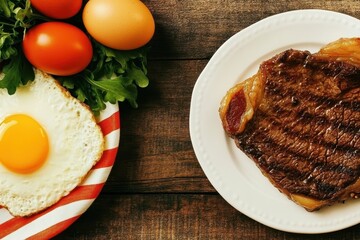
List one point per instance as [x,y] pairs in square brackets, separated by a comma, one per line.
[7,24]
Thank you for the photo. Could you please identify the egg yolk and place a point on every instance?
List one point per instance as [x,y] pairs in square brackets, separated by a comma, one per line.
[24,144]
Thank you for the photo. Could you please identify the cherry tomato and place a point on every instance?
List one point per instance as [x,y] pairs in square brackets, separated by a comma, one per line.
[57,48]
[59,9]
[119,24]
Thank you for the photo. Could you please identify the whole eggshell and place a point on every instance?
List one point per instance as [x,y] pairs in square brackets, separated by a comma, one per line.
[119,24]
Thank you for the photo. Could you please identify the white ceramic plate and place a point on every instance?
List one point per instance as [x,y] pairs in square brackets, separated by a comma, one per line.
[233,175]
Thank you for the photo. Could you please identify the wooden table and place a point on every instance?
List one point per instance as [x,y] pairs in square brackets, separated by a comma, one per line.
[157,189]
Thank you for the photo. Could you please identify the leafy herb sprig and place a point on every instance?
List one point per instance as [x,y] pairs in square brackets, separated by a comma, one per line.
[111,76]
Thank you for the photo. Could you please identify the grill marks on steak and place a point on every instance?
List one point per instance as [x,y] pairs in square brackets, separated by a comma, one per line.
[305,132]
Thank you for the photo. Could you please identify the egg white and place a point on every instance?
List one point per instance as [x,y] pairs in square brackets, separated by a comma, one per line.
[76,143]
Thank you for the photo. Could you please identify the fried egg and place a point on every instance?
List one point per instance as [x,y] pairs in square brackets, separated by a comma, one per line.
[48,142]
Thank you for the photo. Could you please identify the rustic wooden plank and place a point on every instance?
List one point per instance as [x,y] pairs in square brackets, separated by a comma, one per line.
[157,189]
[156,153]
[190,29]
[177,216]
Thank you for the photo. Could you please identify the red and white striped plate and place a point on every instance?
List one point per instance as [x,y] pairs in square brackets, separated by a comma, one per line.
[57,218]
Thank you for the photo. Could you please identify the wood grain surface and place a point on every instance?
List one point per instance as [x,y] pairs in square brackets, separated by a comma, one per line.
[157,189]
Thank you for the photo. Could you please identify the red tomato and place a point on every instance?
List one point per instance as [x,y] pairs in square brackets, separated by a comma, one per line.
[59,9]
[57,48]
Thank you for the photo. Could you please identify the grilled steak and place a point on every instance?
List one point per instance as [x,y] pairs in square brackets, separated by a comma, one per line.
[298,119]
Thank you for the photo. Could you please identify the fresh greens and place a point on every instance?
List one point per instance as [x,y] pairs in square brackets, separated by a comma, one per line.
[111,76]
[15,18]
[17,71]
